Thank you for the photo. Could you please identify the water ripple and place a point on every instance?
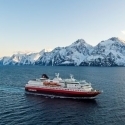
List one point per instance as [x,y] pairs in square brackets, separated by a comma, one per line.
[18,108]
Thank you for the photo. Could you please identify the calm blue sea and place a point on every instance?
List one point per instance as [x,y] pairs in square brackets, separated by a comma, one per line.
[18,108]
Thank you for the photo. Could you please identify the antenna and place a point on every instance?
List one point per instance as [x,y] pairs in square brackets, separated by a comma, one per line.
[71,76]
[57,75]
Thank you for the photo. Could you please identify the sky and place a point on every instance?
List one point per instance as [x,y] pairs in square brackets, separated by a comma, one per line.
[33,25]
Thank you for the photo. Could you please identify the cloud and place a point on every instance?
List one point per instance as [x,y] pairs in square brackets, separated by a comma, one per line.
[123,31]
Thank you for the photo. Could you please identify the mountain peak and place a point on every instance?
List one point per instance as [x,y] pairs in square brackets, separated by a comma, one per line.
[114,39]
[111,41]
[79,41]
[117,40]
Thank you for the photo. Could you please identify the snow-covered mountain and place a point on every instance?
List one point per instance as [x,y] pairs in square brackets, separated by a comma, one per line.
[21,59]
[110,52]
[70,55]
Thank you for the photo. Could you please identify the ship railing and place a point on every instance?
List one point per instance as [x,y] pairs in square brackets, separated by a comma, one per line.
[67,89]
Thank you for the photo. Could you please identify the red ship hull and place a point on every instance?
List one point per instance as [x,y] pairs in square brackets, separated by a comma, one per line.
[62,92]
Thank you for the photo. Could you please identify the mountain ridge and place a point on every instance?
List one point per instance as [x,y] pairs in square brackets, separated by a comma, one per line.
[110,52]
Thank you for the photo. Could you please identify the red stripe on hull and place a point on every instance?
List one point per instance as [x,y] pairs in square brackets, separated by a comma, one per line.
[59,92]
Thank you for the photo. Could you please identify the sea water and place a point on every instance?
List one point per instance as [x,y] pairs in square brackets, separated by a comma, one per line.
[19,108]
